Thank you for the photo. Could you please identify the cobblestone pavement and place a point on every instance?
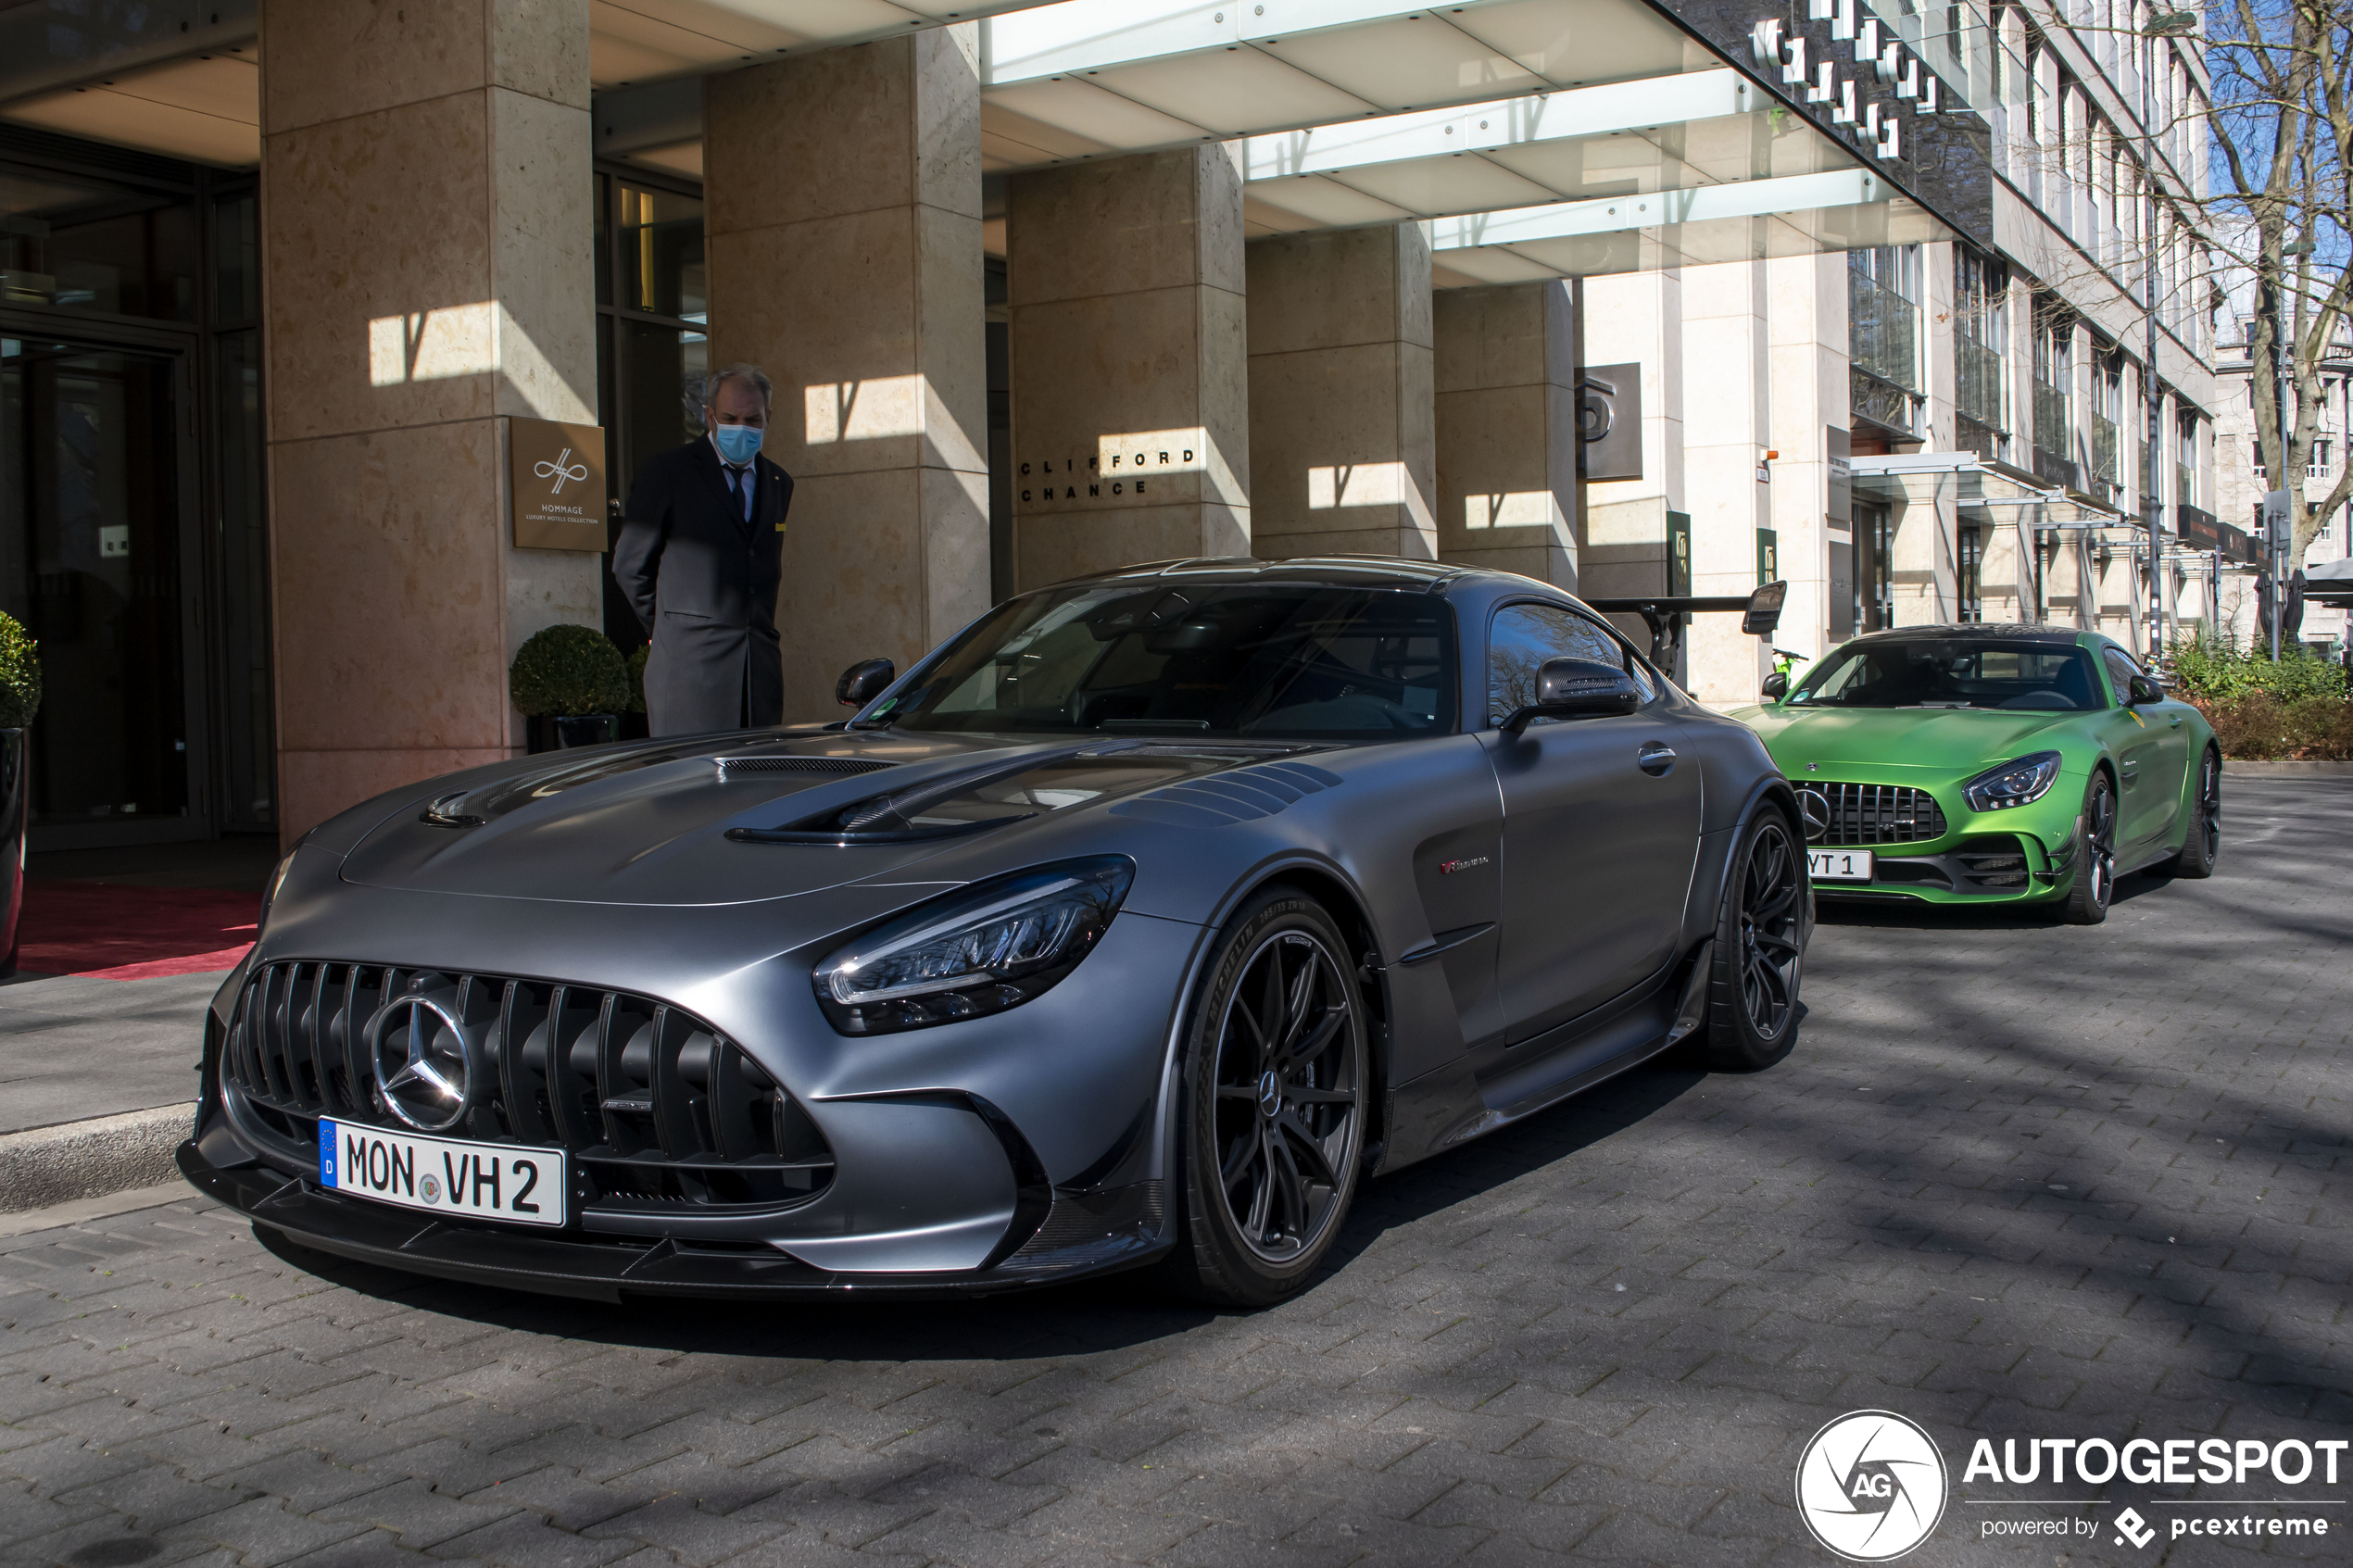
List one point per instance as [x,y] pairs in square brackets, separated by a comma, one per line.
[2019,1180]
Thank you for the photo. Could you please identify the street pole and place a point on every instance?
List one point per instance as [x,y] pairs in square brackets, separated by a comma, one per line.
[2149,465]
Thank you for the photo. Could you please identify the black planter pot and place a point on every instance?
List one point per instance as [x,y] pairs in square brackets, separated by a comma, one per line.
[15,796]
[553,731]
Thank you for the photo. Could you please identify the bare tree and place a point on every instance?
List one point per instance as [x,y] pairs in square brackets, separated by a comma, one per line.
[2281,214]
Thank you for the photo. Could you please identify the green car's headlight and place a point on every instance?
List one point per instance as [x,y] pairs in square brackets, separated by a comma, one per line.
[2013,783]
[977,951]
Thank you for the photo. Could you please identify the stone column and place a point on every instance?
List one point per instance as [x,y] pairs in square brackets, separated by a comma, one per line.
[425,189]
[1507,368]
[1342,444]
[1806,336]
[1637,318]
[1130,372]
[842,211]
[1728,412]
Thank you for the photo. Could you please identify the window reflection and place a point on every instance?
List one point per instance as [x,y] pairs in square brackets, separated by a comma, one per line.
[81,245]
[659,253]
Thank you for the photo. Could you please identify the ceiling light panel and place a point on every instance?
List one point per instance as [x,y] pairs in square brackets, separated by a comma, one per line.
[1105,121]
[1405,61]
[1447,184]
[1580,42]
[1245,90]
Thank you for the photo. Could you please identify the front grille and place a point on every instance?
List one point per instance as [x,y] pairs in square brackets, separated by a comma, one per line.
[656,1108]
[1861,814]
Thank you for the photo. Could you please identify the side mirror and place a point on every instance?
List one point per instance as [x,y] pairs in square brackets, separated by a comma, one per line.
[864,682]
[2144,691]
[1764,614]
[1775,687]
[1578,688]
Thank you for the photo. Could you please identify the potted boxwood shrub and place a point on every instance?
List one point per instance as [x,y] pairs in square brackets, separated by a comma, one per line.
[571,682]
[20,700]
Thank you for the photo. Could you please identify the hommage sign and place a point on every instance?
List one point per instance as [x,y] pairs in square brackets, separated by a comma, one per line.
[555,477]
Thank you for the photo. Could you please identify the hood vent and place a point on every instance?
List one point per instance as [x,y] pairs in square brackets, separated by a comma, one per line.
[730,765]
[1241,796]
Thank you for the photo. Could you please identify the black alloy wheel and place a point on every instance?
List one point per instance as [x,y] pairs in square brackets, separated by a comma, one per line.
[1760,948]
[1274,1090]
[2094,884]
[2202,844]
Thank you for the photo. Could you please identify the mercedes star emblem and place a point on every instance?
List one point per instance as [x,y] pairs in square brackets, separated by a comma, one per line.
[1817,807]
[424,1064]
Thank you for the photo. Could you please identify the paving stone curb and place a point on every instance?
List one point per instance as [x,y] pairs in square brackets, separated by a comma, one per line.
[91,1158]
[2232,767]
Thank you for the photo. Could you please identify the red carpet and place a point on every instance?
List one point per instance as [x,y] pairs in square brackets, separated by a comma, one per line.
[116,931]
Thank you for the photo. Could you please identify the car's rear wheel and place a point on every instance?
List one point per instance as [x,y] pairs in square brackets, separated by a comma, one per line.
[2095,883]
[1760,949]
[2203,845]
[1271,1124]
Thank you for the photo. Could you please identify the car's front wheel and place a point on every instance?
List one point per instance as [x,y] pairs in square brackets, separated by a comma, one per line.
[2095,854]
[1760,949]
[1271,1124]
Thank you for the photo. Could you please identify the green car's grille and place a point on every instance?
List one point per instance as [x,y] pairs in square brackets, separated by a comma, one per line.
[1861,814]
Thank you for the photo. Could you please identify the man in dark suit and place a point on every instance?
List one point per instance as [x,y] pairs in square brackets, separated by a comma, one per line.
[700,555]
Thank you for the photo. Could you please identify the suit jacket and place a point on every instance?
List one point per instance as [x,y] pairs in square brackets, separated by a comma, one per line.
[704,582]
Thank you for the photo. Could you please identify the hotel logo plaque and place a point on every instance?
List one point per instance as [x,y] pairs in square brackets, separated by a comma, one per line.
[556,481]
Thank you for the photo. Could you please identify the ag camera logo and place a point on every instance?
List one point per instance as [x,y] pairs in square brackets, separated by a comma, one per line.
[1871,1485]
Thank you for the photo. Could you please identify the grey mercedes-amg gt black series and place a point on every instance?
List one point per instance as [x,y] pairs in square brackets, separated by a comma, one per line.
[1138,923]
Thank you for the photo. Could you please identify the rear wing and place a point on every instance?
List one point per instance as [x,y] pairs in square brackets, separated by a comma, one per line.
[1760,615]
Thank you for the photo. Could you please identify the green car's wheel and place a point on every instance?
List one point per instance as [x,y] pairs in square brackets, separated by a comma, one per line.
[2203,846]
[2095,854]
[1271,1124]
[1760,947]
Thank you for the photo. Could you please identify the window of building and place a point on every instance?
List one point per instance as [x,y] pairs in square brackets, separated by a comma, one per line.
[1971,586]
[2054,376]
[1981,344]
[1874,584]
[1883,294]
[2320,462]
[2108,414]
[652,335]
[2255,458]
[2186,492]
[76,242]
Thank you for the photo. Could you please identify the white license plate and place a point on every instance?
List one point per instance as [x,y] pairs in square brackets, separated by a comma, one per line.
[479,1181]
[1839,865]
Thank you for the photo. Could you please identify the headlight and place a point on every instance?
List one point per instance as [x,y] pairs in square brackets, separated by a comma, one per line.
[981,950]
[2013,783]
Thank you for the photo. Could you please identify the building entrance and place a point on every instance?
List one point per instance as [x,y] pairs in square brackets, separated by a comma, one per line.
[97,541]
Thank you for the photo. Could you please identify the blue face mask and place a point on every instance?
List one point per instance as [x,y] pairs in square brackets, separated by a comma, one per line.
[737,444]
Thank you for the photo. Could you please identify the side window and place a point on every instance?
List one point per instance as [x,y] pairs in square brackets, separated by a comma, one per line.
[2120,670]
[1522,637]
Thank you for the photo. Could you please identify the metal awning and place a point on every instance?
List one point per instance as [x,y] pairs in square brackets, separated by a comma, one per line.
[1981,488]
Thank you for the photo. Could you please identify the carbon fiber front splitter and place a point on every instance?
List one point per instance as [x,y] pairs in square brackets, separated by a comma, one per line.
[309,1215]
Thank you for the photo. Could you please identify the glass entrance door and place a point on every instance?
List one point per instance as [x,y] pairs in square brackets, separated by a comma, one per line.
[94,541]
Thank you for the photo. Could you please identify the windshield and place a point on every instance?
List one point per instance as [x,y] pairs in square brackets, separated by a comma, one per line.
[1221,660]
[1951,673]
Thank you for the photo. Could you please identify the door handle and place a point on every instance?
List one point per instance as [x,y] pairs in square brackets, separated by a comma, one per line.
[1656,760]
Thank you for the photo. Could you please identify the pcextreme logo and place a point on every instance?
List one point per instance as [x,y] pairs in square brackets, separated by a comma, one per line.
[1871,1485]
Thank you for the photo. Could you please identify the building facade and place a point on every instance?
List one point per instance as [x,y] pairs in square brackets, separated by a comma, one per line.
[2242,480]
[1633,298]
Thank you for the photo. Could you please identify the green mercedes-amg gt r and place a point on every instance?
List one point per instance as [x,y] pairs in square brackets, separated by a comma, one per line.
[1991,764]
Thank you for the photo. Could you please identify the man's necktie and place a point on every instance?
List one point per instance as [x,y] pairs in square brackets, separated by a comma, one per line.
[738,484]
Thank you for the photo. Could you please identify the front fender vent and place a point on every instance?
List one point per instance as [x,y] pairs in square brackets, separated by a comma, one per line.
[658,1107]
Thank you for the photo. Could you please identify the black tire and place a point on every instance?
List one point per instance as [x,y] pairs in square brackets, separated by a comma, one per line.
[2202,845]
[1761,929]
[1268,1151]
[2094,884]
